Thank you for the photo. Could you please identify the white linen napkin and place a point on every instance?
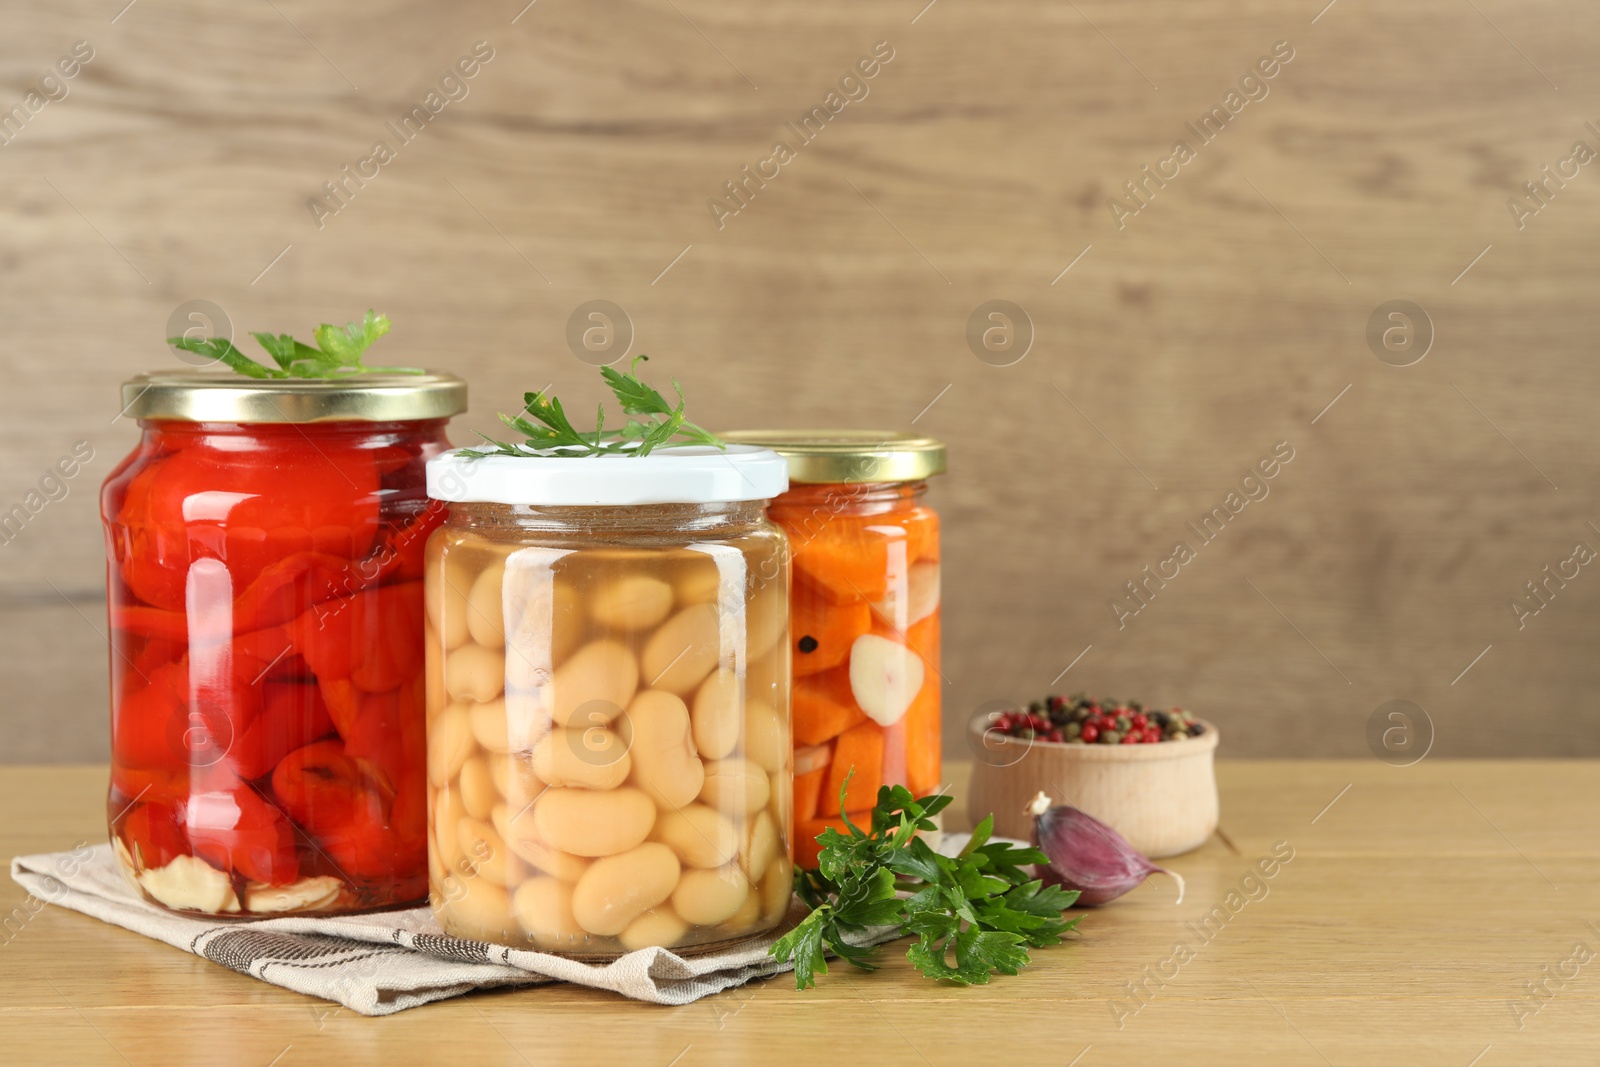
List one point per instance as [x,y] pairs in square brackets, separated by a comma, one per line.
[385,962]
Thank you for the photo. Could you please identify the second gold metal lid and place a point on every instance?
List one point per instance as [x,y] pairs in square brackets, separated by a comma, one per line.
[819,457]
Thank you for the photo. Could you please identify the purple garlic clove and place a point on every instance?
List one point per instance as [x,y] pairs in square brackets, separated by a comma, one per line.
[1087,855]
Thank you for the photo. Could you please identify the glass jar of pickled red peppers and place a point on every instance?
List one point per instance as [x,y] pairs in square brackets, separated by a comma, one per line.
[864,618]
[265,543]
[609,765]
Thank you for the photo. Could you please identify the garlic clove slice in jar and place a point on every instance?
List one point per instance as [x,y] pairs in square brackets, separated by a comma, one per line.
[189,883]
[308,894]
[921,596]
[884,677]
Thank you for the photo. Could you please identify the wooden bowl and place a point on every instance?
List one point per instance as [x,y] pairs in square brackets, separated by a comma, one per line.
[1162,797]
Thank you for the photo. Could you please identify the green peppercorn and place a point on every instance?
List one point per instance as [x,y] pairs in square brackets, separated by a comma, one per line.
[1110,737]
[1073,730]
[1123,723]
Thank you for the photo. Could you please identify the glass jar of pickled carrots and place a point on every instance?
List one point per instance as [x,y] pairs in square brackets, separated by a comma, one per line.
[265,543]
[864,618]
[609,765]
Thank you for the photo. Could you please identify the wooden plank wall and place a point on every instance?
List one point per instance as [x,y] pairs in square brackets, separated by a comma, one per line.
[1186,341]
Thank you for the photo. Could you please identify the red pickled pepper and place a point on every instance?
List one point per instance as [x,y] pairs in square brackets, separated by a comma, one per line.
[196,723]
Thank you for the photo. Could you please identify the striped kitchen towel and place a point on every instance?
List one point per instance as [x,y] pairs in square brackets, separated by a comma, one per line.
[388,961]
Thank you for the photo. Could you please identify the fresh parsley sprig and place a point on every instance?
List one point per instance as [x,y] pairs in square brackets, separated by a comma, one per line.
[973,914]
[338,353]
[548,431]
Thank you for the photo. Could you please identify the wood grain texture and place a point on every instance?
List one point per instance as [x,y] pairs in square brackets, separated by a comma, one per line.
[1224,318]
[1415,907]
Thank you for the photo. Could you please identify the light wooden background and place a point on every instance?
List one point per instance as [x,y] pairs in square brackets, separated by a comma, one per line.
[1223,319]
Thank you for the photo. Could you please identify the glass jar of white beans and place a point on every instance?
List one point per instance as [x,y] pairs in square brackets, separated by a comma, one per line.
[609,749]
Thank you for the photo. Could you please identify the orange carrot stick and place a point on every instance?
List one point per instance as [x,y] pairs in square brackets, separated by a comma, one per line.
[859,748]
[824,707]
[821,630]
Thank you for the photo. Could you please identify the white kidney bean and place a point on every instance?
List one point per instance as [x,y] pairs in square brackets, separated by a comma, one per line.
[709,896]
[782,803]
[489,726]
[776,889]
[592,757]
[544,908]
[717,714]
[601,677]
[587,822]
[522,837]
[683,651]
[660,926]
[659,740]
[483,851]
[699,835]
[631,603]
[735,785]
[766,742]
[449,744]
[485,609]
[542,623]
[768,676]
[438,868]
[473,908]
[432,670]
[515,780]
[566,621]
[748,915]
[767,620]
[473,672]
[478,793]
[760,845]
[616,890]
[697,583]
[445,588]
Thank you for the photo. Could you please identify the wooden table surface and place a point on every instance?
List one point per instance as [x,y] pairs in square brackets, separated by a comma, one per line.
[1419,905]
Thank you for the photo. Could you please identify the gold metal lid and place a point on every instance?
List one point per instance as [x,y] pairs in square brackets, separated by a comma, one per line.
[822,457]
[194,396]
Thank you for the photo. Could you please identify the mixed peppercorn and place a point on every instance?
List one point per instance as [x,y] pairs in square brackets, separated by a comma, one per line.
[1079,720]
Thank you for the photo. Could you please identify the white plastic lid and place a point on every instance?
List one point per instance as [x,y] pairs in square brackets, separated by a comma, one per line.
[682,474]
